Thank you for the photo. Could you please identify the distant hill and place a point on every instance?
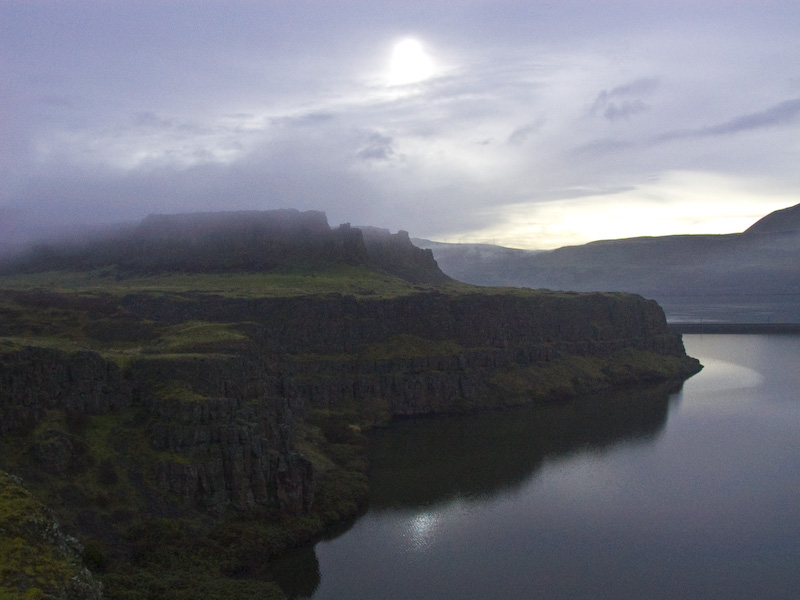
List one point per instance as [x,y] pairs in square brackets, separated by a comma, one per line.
[280,241]
[483,263]
[780,221]
[753,276]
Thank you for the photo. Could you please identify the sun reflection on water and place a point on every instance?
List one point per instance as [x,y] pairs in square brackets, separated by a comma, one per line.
[420,532]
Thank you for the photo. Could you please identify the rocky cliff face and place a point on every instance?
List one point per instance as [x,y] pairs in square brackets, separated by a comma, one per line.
[218,442]
[33,380]
[231,452]
[511,319]
[434,352]
[222,427]
[445,353]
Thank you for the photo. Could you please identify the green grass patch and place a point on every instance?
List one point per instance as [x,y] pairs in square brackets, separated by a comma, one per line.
[356,280]
[178,391]
[192,336]
[34,563]
[15,343]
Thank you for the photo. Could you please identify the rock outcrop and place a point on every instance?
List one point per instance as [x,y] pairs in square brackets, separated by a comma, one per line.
[37,559]
[234,446]
[395,254]
[231,452]
[33,380]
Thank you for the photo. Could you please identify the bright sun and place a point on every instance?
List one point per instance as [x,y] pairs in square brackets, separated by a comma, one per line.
[410,63]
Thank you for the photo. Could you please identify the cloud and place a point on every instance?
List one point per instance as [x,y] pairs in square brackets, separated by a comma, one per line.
[623,101]
[269,105]
[312,119]
[521,134]
[641,86]
[783,113]
[779,114]
[680,201]
[377,147]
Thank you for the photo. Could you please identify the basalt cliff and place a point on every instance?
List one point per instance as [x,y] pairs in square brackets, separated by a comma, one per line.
[188,394]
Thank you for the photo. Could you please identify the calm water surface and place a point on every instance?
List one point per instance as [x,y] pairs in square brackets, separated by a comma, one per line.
[656,493]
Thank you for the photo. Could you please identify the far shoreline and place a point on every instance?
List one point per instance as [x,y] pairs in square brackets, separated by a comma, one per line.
[735,328]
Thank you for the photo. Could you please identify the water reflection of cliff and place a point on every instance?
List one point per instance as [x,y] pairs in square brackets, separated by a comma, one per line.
[422,462]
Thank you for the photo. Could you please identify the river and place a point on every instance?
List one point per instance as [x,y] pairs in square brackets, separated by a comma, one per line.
[688,491]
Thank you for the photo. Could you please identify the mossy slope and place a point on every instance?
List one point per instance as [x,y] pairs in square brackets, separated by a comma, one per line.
[37,560]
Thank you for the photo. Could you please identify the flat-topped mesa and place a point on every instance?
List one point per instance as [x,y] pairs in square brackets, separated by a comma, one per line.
[280,223]
[277,240]
[285,240]
[251,241]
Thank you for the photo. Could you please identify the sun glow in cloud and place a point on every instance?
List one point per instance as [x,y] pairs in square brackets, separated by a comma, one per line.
[410,63]
[680,202]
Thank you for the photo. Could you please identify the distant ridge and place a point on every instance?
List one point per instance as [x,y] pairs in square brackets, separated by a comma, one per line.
[752,276]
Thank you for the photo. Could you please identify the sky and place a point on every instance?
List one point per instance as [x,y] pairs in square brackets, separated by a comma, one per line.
[529,123]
